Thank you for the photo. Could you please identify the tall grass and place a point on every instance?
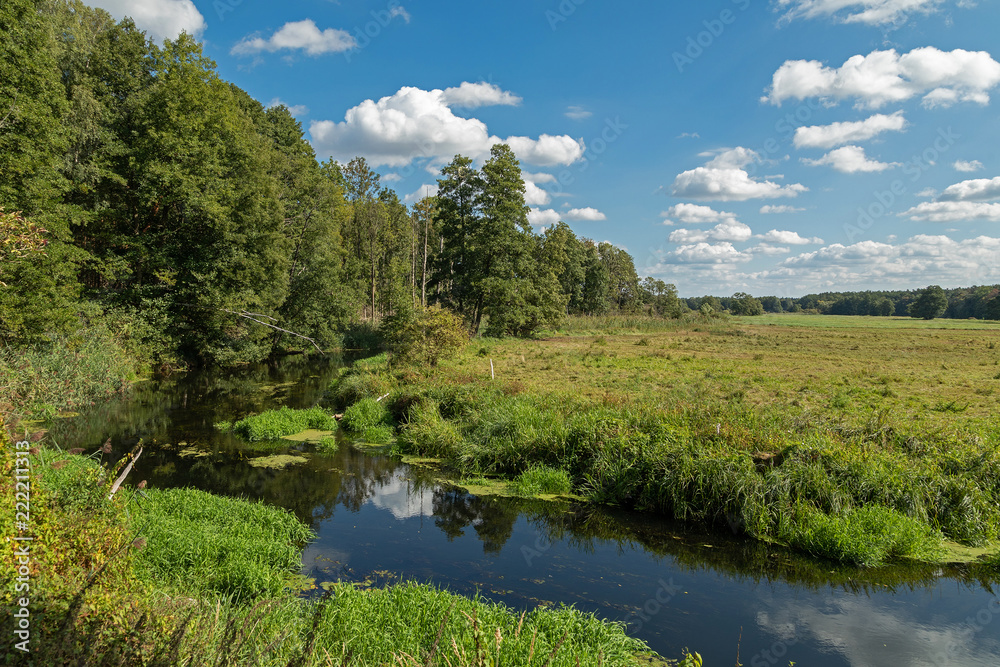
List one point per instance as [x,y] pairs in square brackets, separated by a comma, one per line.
[68,373]
[274,424]
[199,542]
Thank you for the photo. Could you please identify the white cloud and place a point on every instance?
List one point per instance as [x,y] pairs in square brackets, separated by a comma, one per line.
[688,135]
[298,35]
[732,231]
[547,150]
[588,214]
[475,95]
[871,12]
[967,165]
[787,238]
[425,190]
[769,209]
[160,18]
[577,113]
[391,178]
[979,189]
[836,134]
[953,211]
[850,160]
[399,11]
[533,194]
[724,178]
[883,77]
[543,217]
[416,124]
[294,109]
[695,214]
[706,253]
[767,249]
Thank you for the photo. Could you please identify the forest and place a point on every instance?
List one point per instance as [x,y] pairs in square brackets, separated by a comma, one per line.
[146,199]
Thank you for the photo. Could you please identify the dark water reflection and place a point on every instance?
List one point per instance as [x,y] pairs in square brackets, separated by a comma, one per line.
[675,587]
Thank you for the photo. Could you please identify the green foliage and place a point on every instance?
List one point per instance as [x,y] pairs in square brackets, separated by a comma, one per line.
[198,542]
[274,424]
[425,337]
[365,415]
[744,304]
[867,536]
[931,303]
[542,480]
[426,433]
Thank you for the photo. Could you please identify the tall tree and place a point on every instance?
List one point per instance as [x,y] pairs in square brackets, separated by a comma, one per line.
[930,304]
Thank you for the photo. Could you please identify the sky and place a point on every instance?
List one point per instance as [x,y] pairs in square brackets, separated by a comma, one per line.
[769,146]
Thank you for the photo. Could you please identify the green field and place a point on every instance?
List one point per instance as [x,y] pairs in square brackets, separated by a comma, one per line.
[831,434]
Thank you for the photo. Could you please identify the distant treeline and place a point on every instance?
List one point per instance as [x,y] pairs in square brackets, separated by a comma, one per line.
[980,302]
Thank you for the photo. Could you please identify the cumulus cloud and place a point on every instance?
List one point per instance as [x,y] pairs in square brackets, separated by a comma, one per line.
[883,77]
[850,160]
[577,113]
[588,214]
[870,12]
[534,195]
[474,95]
[412,124]
[695,214]
[543,217]
[953,211]
[731,231]
[547,150]
[706,253]
[787,238]
[769,209]
[724,178]
[161,19]
[979,189]
[297,35]
[767,249]
[967,165]
[837,134]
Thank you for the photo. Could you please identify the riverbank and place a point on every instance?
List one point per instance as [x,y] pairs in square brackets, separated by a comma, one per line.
[864,445]
[185,577]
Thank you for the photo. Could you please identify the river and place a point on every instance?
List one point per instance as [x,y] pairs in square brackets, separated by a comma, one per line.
[379,520]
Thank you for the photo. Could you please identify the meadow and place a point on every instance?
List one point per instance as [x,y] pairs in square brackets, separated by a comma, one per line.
[859,439]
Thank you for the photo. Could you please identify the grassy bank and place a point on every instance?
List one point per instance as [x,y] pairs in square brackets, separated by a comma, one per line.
[862,444]
[176,577]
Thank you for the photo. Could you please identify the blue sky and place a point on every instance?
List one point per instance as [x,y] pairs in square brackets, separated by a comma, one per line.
[769,146]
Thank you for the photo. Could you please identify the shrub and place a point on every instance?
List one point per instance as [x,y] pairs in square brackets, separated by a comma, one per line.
[425,337]
[427,433]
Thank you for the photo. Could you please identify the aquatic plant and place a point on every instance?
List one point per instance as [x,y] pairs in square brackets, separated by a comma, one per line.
[542,480]
[285,421]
